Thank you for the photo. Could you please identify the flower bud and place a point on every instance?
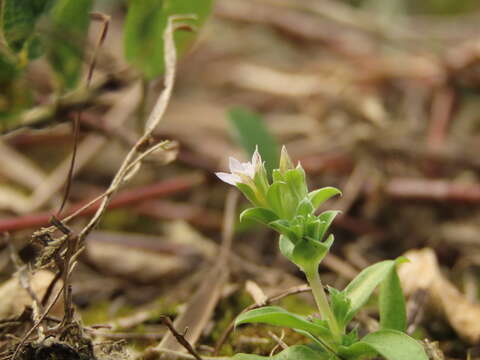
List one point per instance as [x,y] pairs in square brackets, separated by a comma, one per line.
[285,161]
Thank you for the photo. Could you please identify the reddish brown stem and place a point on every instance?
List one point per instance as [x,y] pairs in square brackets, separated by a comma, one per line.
[125,198]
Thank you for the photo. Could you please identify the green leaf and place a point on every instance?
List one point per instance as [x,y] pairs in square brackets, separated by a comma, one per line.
[250,131]
[357,351]
[312,227]
[340,306]
[146,23]
[305,207]
[277,175]
[286,246]
[327,218]
[297,352]
[308,252]
[274,315]
[70,20]
[393,314]
[34,47]
[284,228]
[390,344]
[276,195]
[319,196]
[322,344]
[350,338]
[8,71]
[261,180]
[295,179]
[261,215]
[362,287]
[249,193]
[19,18]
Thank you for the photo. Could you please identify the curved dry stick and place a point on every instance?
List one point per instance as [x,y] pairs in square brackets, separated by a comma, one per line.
[180,338]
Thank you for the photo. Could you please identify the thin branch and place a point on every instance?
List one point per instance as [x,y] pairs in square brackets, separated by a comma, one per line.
[76,121]
[180,338]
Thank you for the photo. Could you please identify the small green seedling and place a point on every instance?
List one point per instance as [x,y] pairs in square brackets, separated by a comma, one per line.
[285,205]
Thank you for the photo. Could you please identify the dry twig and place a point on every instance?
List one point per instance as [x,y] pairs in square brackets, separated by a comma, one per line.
[180,338]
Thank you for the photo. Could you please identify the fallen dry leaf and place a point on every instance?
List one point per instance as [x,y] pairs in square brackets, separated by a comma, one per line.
[14,298]
[149,258]
[200,307]
[423,273]
[255,292]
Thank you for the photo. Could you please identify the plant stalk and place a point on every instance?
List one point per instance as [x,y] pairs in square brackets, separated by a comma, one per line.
[323,305]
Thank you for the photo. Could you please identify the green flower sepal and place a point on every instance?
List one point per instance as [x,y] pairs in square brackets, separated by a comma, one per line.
[307,252]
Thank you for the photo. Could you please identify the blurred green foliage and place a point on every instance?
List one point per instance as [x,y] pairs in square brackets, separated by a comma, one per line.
[433,7]
[69,24]
[30,29]
[146,23]
[444,7]
[19,19]
[250,131]
[57,31]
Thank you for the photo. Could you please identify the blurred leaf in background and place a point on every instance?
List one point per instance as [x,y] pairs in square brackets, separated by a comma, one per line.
[66,39]
[443,7]
[30,29]
[145,25]
[437,7]
[15,94]
[250,131]
[19,19]
[8,70]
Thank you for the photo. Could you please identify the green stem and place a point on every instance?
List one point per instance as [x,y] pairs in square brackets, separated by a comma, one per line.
[322,303]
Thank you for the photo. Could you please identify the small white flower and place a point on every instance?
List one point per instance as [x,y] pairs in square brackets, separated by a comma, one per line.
[239,172]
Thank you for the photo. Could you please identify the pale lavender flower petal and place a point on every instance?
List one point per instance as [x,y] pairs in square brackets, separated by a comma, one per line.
[249,170]
[231,179]
[235,165]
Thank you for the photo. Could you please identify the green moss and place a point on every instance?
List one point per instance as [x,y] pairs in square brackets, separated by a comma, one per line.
[227,310]
[99,313]
[125,220]
[96,314]
[298,305]
[164,308]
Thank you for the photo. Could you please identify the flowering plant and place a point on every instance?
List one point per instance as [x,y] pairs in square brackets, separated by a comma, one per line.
[285,205]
